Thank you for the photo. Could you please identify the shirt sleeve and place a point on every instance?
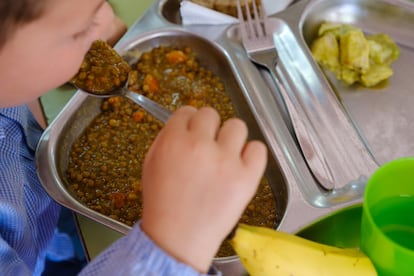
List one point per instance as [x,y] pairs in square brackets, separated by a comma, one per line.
[137,254]
[28,215]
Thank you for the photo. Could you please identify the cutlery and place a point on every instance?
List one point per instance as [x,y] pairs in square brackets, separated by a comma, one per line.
[334,161]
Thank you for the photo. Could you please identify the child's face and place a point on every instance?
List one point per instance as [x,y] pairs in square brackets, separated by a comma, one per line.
[46,53]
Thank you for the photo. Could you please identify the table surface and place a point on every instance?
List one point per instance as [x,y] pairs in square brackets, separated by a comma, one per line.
[96,237]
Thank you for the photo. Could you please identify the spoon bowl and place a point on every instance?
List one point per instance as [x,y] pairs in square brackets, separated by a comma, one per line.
[104,73]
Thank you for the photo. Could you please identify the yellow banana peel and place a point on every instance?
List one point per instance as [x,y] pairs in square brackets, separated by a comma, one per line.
[267,252]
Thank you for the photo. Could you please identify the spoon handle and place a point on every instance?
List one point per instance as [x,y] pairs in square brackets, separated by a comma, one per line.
[156,110]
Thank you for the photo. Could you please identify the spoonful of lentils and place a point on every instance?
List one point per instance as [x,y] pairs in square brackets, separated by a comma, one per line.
[104,73]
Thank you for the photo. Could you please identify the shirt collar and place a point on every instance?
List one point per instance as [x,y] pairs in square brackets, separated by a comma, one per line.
[24,118]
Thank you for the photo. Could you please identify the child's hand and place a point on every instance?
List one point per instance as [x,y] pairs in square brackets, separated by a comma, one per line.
[197,179]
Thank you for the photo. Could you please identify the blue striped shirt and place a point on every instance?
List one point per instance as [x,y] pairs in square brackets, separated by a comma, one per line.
[28,216]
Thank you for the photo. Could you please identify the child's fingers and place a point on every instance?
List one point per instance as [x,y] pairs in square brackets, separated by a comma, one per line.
[181,118]
[177,124]
[232,136]
[205,123]
[254,157]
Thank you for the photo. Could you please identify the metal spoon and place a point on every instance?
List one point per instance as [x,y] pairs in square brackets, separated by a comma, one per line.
[102,58]
[155,109]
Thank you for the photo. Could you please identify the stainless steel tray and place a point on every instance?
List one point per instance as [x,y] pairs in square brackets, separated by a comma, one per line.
[382,116]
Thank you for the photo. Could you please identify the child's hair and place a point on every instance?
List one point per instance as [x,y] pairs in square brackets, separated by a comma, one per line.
[14,13]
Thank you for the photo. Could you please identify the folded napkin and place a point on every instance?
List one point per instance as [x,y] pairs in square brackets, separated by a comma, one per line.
[194,14]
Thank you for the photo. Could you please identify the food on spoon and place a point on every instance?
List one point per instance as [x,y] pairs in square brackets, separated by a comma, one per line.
[353,56]
[105,162]
[267,252]
[102,69]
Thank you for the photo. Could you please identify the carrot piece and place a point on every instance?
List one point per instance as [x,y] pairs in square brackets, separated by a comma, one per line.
[118,200]
[150,84]
[176,56]
[138,116]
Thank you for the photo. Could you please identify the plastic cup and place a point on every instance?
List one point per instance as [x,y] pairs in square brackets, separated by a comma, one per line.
[387,226]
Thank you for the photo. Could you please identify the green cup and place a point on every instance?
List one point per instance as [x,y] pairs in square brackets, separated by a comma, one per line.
[387,226]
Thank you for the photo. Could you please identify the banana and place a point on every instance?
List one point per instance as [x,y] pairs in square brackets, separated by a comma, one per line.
[267,252]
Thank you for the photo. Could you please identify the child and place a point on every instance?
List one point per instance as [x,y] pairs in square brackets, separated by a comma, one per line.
[197,178]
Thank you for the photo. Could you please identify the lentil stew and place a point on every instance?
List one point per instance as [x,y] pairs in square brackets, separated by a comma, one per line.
[104,168]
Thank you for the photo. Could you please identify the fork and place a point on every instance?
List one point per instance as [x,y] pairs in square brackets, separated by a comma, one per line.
[259,45]
[324,155]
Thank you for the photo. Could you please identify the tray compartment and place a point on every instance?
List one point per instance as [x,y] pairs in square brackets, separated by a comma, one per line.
[383,115]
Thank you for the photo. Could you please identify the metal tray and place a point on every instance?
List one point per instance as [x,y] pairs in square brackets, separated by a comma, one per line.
[382,116]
